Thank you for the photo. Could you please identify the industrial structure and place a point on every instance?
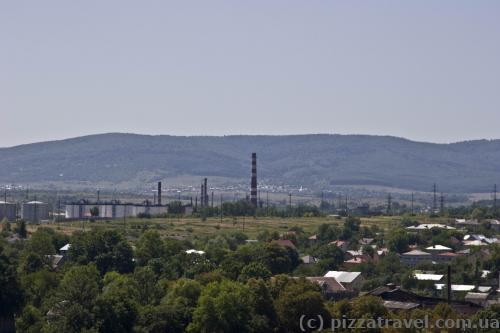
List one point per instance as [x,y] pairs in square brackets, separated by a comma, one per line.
[159,194]
[253,185]
[8,211]
[115,209]
[204,193]
[111,210]
[34,211]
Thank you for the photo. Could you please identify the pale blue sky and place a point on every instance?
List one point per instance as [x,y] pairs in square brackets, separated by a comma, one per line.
[425,70]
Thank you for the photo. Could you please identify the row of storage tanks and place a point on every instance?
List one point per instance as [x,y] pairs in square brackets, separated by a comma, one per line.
[32,211]
[112,211]
[37,211]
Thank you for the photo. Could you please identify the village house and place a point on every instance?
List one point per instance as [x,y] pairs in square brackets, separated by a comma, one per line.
[350,280]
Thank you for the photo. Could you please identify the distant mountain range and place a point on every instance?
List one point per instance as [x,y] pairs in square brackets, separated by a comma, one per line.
[316,161]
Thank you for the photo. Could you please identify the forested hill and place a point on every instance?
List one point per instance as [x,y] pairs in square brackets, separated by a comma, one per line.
[310,160]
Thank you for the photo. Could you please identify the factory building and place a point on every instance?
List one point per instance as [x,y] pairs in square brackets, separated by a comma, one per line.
[111,210]
[35,211]
[8,210]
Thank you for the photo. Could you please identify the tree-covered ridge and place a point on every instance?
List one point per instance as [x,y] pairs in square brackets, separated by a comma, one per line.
[311,160]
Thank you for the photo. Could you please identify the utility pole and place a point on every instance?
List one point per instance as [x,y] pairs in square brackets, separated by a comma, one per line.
[267,203]
[58,208]
[495,200]
[412,203]
[389,204]
[321,206]
[441,204]
[221,208]
[290,200]
[434,203]
[212,199]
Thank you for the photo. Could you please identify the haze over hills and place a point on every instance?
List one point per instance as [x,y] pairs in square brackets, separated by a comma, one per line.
[316,161]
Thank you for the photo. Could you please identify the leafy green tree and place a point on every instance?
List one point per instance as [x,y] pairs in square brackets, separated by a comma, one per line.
[223,307]
[330,257]
[254,270]
[264,318]
[107,249]
[31,262]
[72,309]
[149,246]
[175,311]
[31,320]
[149,292]
[11,295]
[367,307]
[94,211]
[488,314]
[21,229]
[117,308]
[297,299]
[398,241]
[39,286]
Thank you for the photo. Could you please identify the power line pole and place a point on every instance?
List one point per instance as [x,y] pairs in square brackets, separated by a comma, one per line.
[495,200]
[412,203]
[221,208]
[389,204]
[267,203]
[434,204]
[441,204]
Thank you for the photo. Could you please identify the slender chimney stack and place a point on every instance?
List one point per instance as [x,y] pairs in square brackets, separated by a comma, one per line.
[202,195]
[159,193]
[205,197]
[253,191]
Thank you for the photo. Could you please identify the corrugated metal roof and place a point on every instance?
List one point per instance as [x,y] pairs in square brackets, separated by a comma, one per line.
[343,277]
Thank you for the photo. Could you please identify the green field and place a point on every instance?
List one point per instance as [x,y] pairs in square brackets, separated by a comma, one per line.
[188,227]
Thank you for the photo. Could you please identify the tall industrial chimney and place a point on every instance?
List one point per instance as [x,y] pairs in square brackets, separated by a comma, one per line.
[202,195]
[253,187]
[159,193]
[205,197]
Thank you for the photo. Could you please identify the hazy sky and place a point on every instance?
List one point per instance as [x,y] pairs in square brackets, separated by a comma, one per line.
[425,70]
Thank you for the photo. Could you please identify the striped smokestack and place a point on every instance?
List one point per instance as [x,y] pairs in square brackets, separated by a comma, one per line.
[159,193]
[253,187]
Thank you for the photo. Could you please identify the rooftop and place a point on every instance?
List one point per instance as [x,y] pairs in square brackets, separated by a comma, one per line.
[428,277]
[430,226]
[343,277]
[438,248]
[395,305]
[416,253]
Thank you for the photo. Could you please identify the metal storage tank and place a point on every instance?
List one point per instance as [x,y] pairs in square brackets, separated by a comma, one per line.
[34,211]
[7,210]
